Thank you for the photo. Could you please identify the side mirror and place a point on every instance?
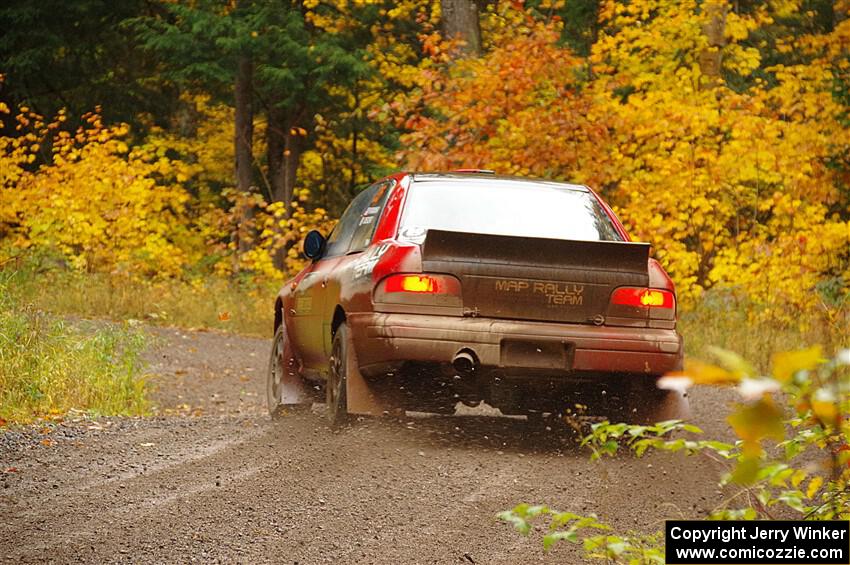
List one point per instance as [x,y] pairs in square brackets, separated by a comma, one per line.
[314,244]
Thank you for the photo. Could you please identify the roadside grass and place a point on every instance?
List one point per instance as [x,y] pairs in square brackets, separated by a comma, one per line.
[213,302]
[49,366]
[725,321]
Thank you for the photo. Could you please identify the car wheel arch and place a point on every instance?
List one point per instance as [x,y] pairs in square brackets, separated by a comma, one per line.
[337,320]
[278,313]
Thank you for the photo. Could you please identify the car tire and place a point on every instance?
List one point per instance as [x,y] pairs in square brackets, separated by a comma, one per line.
[336,396]
[280,361]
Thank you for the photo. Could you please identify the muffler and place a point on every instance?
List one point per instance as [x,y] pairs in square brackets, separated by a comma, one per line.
[465,362]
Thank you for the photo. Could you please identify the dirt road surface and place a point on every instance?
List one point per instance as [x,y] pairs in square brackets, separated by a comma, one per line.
[212,479]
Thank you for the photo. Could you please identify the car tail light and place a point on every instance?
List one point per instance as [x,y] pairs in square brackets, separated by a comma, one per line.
[644,298]
[413,283]
[421,289]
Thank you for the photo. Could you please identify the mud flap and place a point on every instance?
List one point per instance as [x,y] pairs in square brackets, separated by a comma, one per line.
[360,395]
[294,388]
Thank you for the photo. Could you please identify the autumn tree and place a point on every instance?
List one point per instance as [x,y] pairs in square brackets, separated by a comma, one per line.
[100,204]
[509,111]
[733,167]
[715,174]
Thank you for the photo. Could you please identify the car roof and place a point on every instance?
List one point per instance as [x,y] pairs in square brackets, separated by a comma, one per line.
[482,178]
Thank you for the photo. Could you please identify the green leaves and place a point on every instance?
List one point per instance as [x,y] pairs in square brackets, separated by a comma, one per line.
[550,539]
[789,479]
[518,517]
[566,526]
[634,548]
[606,438]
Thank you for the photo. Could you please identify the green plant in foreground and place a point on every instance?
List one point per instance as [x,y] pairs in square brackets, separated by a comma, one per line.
[49,366]
[574,527]
[803,406]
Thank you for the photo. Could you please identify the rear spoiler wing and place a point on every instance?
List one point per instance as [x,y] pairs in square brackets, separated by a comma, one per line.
[449,247]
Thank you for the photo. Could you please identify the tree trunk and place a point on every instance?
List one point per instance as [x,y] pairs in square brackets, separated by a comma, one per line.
[283,143]
[460,21]
[283,146]
[289,171]
[711,58]
[355,118]
[243,144]
[276,133]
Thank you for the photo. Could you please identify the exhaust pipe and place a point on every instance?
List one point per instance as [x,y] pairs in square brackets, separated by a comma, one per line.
[464,362]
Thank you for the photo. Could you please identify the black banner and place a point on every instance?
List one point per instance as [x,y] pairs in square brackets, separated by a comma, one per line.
[694,542]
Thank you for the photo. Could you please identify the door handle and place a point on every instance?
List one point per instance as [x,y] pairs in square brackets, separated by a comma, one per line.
[324,282]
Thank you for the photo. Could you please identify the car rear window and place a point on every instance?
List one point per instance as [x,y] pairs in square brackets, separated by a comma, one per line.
[503,207]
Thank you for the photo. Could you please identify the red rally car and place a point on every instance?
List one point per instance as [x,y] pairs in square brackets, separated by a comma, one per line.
[435,289]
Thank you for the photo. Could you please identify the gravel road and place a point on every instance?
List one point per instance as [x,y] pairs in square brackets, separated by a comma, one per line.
[212,479]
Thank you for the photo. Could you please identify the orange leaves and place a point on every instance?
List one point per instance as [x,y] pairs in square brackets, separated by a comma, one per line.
[707,374]
[724,182]
[516,110]
[825,407]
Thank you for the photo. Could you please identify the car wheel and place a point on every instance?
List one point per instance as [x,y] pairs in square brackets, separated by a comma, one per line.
[282,374]
[335,389]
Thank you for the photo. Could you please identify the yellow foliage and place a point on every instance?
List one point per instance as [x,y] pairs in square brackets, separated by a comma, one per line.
[736,188]
[160,209]
[785,364]
[733,189]
[209,146]
[735,184]
[94,204]
[268,233]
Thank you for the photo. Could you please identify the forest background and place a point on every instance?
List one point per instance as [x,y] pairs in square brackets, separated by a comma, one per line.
[162,159]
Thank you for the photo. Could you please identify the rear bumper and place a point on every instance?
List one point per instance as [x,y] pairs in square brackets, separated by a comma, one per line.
[383,340]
